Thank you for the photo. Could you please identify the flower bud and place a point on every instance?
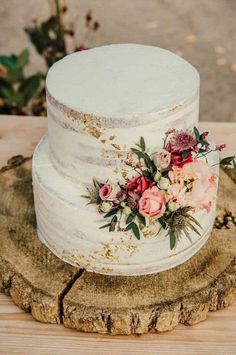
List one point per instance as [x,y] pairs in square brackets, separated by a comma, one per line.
[157,176]
[173,206]
[163,183]
[127,210]
[105,206]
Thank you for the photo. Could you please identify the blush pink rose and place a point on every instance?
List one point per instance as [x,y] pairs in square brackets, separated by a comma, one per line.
[108,192]
[139,184]
[193,185]
[162,159]
[152,203]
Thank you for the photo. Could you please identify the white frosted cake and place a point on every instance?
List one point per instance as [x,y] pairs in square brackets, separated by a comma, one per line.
[121,182]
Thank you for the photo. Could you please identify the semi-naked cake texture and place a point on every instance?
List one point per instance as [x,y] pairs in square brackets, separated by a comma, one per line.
[100,102]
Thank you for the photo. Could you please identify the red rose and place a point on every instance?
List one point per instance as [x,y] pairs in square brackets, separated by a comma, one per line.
[139,184]
[177,160]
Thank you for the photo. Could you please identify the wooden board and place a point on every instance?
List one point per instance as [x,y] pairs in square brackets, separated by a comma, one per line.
[56,292]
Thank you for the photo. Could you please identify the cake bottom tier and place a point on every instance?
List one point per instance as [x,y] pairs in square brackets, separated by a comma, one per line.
[70,229]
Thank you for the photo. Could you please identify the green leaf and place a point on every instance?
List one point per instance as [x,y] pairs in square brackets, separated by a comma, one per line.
[204,143]
[197,133]
[4,85]
[185,153]
[113,224]
[85,196]
[130,218]
[142,219]
[13,97]
[111,212]
[23,58]
[133,226]
[7,92]
[30,86]
[9,62]
[173,240]
[194,229]
[142,144]
[234,164]
[136,232]
[191,218]
[227,160]
[138,153]
[163,222]
[105,226]
[14,75]
[128,227]
[146,173]
[148,161]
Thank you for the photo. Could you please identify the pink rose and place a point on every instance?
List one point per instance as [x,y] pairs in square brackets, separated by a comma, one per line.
[108,192]
[193,185]
[152,203]
[162,159]
[139,184]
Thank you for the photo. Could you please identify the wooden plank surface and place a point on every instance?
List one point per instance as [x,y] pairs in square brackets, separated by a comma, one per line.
[21,334]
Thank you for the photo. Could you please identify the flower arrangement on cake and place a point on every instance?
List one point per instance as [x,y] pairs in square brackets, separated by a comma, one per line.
[170,185]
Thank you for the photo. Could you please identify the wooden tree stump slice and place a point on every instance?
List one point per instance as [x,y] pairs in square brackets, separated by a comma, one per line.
[35,279]
[56,292]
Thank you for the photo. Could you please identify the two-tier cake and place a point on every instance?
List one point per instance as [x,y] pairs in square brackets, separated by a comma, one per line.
[124,183]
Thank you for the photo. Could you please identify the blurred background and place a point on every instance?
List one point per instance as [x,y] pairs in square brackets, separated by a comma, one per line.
[36,33]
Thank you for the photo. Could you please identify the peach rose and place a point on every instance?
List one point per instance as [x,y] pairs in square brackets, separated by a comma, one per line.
[108,192]
[152,203]
[193,185]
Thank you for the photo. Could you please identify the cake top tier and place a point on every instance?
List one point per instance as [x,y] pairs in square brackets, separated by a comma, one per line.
[120,80]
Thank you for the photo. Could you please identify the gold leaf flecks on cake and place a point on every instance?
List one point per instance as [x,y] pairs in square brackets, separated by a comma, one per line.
[124,173]
[108,253]
[175,108]
[75,259]
[119,155]
[151,229]
[112,137]
[93,131]
[107,270]
[116,146]
[131,248]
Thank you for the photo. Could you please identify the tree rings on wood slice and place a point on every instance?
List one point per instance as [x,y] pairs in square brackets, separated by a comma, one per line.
[56,292]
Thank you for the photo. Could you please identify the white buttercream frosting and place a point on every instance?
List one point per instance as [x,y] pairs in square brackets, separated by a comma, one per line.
[122,80]
[100,102]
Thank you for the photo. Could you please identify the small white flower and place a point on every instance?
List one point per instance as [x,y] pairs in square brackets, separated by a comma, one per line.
[157,176]
[126,210]
[105,206]
[163,183]
[172,206]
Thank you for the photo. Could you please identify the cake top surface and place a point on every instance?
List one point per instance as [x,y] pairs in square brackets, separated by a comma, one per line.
[121,80]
